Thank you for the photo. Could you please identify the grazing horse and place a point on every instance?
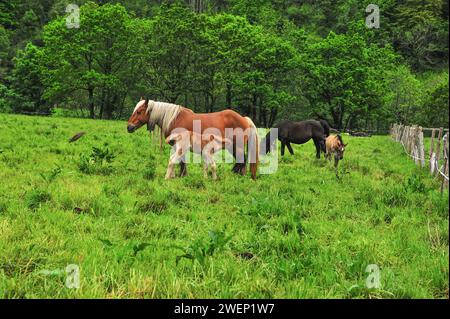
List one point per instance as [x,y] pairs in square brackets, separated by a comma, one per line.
[297,133]
[226,124]
[335,145]
[205,145]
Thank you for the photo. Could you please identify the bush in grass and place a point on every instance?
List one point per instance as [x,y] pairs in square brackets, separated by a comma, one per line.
[36,198]
[98,162]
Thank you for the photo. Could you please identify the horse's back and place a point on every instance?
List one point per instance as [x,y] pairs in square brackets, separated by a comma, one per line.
[223,119]
[300,132]
[218,120]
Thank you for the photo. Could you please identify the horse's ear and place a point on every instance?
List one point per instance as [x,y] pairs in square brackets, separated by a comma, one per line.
[146,102]
[142,98]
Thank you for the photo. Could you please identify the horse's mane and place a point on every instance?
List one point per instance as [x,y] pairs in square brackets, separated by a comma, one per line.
[162,114]
[339,137]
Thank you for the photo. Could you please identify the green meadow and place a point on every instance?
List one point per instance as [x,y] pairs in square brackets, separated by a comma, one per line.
[102,203]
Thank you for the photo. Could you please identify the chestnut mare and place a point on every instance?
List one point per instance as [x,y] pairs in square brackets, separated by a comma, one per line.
[171,117]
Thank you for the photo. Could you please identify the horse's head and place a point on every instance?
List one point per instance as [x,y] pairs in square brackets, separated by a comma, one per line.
[139,117]
[340,151]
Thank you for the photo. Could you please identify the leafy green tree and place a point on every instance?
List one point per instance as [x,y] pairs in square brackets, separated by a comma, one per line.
[26,80]
[404,96]
[5,48]
[435,109]
[344,76]
[171,52]
[98,59]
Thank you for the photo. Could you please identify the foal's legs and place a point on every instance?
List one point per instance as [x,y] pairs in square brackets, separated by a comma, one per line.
[206,164]
[170,169]
[213,169]
[205,169]
[336,161]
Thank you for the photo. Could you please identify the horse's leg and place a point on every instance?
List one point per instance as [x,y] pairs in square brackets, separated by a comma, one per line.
[239,154]
[205,165]
[170,168]
[244,166]
[336,161]
[183,166]
[205,170]
[283,147]
[236,167]
[213,169]
[290,148]
[318,148]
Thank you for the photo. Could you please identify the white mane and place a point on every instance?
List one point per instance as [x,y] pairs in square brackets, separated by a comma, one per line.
[161,114]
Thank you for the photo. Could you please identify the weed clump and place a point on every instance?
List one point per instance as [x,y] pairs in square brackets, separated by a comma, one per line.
[98,162]
[415,184]
[201,249]
[36,198]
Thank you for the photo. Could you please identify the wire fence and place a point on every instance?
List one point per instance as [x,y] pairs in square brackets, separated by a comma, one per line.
[412,140]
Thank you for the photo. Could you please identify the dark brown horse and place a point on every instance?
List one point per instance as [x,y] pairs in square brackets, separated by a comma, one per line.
[227,124]
[298,133]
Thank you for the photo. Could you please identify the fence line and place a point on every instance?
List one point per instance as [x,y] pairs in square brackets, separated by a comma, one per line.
[412,140]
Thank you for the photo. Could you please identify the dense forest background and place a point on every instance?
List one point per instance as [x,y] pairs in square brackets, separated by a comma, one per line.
[269,60]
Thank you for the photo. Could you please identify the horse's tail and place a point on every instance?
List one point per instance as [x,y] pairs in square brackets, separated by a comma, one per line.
[269,144]
[326,127]
[253,148]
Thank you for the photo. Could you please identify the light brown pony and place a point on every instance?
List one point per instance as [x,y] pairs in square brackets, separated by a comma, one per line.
[335,145]
[170,117]
[205,145]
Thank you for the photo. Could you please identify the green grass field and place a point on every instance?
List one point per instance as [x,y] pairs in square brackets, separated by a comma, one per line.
[299,233]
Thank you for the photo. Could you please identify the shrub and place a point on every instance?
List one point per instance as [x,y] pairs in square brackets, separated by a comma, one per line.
[98,162]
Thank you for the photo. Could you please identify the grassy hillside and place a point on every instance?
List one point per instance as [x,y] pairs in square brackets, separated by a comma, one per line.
[300,233]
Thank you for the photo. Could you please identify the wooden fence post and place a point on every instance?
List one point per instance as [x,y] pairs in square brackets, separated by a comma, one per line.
[433,132]
[412,136]
[438,148]
[444,182]
[447,159]
[421,147]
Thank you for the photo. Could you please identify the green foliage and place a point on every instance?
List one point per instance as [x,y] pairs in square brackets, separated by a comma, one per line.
[6,98]
[26,80]
[343,75]
[35,198]
[203,248]
[266,59]
[435,109]
[415,184]
[98,162]
[51,177]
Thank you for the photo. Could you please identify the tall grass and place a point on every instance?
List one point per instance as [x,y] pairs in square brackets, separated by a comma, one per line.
[299,233]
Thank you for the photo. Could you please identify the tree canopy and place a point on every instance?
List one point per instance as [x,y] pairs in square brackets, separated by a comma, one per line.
[269,60]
